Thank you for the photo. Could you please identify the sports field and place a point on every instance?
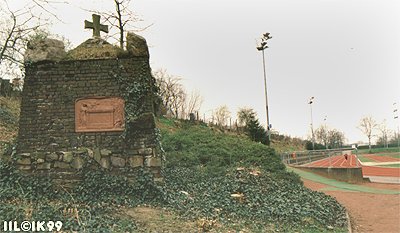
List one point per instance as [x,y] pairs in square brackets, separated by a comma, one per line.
[377,166]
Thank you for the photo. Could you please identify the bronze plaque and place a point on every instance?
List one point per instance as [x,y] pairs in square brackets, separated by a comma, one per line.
[99,114]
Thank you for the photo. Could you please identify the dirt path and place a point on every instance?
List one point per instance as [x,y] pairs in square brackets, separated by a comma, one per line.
[369,212]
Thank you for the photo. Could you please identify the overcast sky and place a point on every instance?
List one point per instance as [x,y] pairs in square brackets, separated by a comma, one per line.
[345,53]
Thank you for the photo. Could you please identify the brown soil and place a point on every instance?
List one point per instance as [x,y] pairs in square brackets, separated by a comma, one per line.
[378,213]
[153,219]
[159,220]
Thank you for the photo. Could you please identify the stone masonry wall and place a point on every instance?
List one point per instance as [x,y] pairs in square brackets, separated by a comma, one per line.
[47,139]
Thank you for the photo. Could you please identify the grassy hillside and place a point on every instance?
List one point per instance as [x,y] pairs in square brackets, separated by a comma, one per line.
[283,144]
[240,184]
[213,182]
[9,115]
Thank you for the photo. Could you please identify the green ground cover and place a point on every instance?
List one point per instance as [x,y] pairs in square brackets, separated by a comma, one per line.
[391,165]
[392,154]
[378,150]
[225,180]
[204,164]
[339,185]
[364,159]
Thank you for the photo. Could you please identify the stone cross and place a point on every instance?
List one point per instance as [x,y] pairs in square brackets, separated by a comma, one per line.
[96,26]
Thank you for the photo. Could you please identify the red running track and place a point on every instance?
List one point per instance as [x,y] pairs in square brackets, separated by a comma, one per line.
[380,171]
[339,161]
[377,158]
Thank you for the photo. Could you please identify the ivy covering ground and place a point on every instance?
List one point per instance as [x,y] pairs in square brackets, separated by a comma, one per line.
[227,181]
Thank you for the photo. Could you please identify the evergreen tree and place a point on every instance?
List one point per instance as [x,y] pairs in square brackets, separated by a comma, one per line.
[252,126]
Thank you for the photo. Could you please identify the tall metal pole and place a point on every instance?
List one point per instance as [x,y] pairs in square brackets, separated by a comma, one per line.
[396,116]
[266,99]
[312,128]
[325,133]
[262,47]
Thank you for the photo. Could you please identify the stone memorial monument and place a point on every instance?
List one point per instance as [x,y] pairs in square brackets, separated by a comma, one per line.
[90,108]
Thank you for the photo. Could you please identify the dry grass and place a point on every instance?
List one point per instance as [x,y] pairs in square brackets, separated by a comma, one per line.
[94,48]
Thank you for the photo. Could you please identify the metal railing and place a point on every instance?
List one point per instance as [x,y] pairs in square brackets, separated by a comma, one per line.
[303,157]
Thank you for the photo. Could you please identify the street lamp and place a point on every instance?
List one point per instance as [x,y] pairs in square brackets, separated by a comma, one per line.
[312,128]
[263,45]
[325,132]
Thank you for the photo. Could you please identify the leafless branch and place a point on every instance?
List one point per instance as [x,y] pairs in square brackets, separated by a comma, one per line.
[121,20]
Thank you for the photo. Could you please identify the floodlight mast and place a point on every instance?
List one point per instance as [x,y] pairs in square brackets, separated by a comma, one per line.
[396,118]
[263,45]
[312,127]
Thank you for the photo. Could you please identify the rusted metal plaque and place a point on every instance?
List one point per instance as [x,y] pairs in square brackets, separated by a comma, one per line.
[99,114]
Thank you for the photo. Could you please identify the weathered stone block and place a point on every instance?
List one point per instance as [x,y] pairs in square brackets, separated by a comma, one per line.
[145,151]
[136,161]
[61,165]
[45,50]
[80,152]
[24,161]
[105,152]
[156,171]
[78,163]
[67,157]
[90,153]
[97,155]
[43,166]
[51,157]
[25,155]
[117,161]
[136,45]
[24,167]
[39,160]
[153,162]
[105,163]
[38,155]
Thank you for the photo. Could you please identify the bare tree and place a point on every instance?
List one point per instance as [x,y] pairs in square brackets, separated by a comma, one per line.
[16,26]
[330,138]
[192,104]
[394,139]
[367,126]
[121,20]
[171,91]
[384,132]
[13,32]
[321,135]
[178,101]
[174,98]
[221,115]
[335,138]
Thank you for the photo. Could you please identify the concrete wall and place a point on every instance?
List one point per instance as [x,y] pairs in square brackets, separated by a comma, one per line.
[350,175]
